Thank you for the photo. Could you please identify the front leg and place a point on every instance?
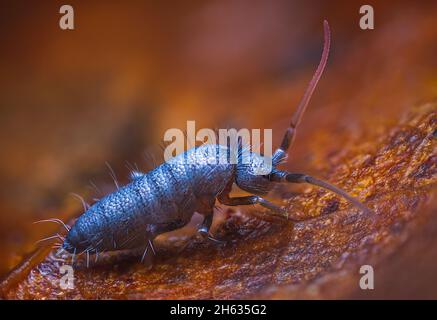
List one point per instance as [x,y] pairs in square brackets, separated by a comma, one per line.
[248,200]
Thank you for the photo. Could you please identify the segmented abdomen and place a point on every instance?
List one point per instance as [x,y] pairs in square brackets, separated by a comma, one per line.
[164,199]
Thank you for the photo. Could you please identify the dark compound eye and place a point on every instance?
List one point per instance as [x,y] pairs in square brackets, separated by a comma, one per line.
[434,134]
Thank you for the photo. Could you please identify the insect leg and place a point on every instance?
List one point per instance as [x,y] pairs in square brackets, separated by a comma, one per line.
[290,133]
[284,176]
[205,226]
[248,200]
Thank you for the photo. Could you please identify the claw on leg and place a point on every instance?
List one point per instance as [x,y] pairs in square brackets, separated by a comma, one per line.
[205,234]
[203,230]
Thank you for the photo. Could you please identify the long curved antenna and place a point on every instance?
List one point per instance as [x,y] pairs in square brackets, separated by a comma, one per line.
[290,133]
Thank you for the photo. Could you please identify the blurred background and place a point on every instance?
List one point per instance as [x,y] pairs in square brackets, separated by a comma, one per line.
[107,91]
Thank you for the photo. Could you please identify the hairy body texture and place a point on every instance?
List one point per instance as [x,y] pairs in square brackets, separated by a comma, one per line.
[162,200]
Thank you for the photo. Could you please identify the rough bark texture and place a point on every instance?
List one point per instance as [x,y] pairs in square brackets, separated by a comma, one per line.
[395,176]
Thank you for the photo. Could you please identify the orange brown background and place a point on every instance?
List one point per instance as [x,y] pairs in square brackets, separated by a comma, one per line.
[107,91]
